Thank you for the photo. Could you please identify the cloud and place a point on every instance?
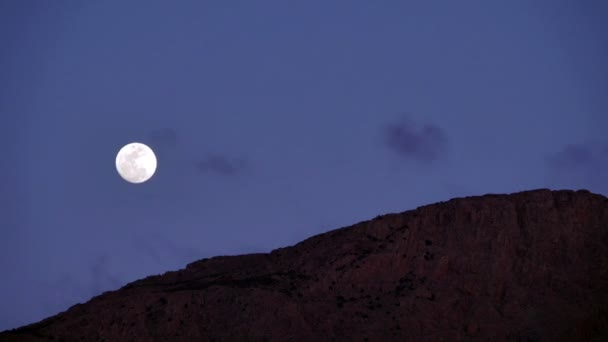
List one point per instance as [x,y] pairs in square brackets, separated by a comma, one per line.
[574,155]
[163,137]
[423,144]
[101,277]
[158,248]
[580,165]
[158,253]
[221,165]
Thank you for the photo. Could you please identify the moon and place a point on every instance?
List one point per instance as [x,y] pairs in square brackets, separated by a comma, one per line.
[136,162]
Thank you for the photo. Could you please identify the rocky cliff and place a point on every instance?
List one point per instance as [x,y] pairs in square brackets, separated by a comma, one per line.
[530,266]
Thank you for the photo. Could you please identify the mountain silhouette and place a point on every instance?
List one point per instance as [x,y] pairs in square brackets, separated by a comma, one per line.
[528,266]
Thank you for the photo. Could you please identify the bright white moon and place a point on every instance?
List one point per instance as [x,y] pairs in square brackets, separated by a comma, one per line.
[136,162]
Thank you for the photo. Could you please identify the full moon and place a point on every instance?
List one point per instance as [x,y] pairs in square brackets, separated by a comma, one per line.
[136,162]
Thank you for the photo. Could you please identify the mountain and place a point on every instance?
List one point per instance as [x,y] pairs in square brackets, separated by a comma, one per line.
[529,266]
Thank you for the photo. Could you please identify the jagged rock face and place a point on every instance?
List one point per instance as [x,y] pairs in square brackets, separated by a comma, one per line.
[531,266]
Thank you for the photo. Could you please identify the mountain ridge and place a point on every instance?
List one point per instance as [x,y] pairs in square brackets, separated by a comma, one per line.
[526,266]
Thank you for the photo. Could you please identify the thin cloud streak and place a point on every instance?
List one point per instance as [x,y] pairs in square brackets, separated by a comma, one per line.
[574,155]
[218,164]
[164,137]
[580,165]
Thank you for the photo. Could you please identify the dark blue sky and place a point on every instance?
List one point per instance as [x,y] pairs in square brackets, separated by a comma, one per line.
[273,121]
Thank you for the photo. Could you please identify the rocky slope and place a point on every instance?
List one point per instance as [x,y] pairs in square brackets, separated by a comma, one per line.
[530,266]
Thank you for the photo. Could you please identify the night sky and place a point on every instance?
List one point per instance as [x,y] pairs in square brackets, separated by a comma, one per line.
[273,121]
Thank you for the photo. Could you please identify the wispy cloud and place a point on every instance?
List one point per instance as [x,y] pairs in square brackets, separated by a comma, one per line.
[159,247]
[580,165]
[163,137]
[102,278]
[423,143]
[574,155]
[221,165]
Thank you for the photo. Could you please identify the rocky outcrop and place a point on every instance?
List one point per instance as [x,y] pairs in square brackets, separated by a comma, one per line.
[530,266]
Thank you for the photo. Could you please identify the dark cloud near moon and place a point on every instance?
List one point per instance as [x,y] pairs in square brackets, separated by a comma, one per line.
[423,143]
[221,165]
[212,163]
[166,137]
